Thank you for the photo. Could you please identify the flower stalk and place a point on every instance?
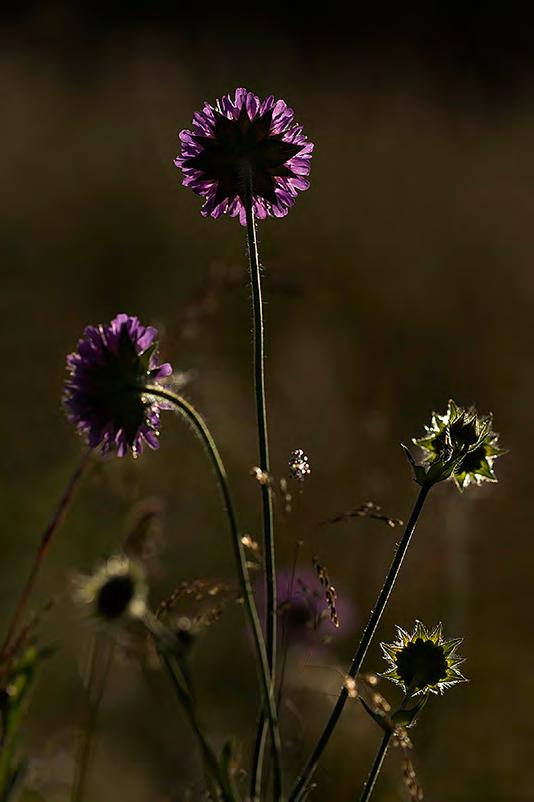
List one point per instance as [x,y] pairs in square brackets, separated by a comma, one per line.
[303,780]
[422,663]
[205,436]
[376,767]
[264,464]
[211,764]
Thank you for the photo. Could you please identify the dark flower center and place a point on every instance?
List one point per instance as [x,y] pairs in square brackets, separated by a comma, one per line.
[459,435]
[110,390]
[242,148]
[115,596]
[472,463]
[464,433]
[421,663]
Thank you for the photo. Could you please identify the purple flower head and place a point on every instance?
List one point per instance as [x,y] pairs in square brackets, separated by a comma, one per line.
[242,138]
[111,363]
[302,609]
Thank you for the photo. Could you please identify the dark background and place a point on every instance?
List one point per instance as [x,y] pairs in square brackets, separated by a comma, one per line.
[401,278]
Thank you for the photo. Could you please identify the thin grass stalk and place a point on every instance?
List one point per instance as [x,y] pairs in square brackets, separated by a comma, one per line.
[44,545]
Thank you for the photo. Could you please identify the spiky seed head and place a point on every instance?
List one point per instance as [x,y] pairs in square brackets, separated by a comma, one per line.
[423,661]
[462,444]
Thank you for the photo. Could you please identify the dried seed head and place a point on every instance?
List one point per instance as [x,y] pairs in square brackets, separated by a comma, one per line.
[367,510]
[249,543]
[262,477]
[196,590]
[330,591]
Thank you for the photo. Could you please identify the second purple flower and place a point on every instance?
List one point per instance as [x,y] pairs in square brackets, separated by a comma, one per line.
[108,371]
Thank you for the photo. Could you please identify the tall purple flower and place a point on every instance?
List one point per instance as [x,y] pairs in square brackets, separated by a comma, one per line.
[111,365]
[243,139]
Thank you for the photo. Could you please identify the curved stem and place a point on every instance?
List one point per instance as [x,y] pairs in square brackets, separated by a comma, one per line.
[204,434]
[46,538]
[375,769]
[267,506]
[368,634]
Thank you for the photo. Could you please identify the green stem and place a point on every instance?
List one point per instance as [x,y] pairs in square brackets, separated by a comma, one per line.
[374,619]
[267,506]
[217,779]
[375,769]
[244,579]
[46,538]
[259,744]
[211,764]
[257,758]
[382,750]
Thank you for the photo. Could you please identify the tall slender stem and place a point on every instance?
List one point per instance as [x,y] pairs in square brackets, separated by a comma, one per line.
[243,574]
[259,744]
[46,538]
[369,631]
[375,769]
[264,464]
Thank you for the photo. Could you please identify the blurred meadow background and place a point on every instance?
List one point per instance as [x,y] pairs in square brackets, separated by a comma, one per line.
[403,277]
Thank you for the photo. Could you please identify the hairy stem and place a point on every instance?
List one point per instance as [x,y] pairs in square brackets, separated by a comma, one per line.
[376,614]
[46,539]
[204,434]
[267,506]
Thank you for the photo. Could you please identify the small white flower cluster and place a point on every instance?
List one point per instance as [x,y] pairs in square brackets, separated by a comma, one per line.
[299,467]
